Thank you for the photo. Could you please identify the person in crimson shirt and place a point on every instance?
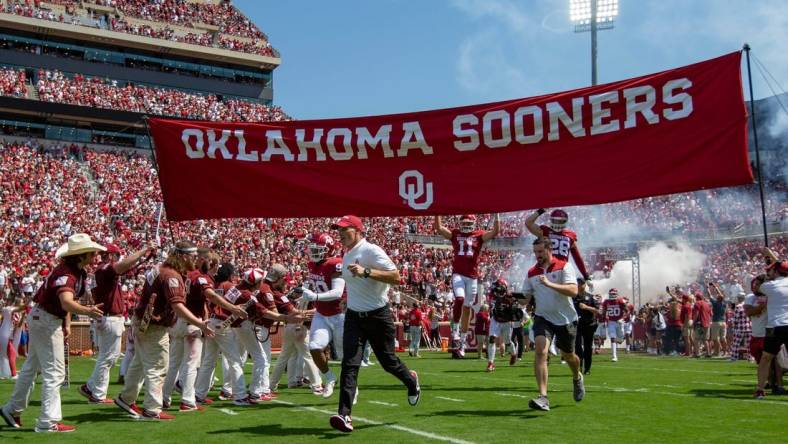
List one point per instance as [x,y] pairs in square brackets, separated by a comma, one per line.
[56,299]
[481,329]
[326,289]
[701,321]
[165,292]
[109,328]
[415,319]
[295,340]
[686,324]
[467,243]
[186,343]
[614,309]
[562,240]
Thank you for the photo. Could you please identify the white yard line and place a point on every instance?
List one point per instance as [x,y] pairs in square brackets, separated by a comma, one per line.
[387,404]
[228,412]
[513,395]
[449,399]
[377,423]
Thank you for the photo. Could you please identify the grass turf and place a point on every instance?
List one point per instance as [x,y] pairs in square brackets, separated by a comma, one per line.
[638,399]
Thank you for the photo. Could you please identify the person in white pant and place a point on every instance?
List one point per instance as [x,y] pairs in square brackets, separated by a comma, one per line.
[56,299]
[295,340]
[253,334]
[109,328]
[7,333]
[327,291]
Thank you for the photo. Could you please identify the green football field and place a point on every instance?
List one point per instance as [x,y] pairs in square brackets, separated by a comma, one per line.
[638,399]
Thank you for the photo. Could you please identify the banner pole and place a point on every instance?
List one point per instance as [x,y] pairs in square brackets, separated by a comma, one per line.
[156,166]
[757,148]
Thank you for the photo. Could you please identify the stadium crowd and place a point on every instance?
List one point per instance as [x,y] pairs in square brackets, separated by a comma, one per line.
[235,31]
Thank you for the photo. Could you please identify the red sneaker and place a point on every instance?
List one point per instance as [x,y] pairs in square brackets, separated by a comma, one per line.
[266,397]
[190,408]
[131,409]
[161,416]
[205,401]
[101,401]
[56,428]
[512,359]
[490,366]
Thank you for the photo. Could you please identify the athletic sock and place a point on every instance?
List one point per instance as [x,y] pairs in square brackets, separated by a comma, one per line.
[614,349]
[491,352]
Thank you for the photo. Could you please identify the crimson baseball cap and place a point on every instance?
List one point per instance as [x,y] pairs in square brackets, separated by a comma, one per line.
[781,267]
[348,221]
[112,248]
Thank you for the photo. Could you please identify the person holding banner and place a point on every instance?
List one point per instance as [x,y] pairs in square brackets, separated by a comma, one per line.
[467,243]
[163,302]
[109,330]
[56,299]
[368,272]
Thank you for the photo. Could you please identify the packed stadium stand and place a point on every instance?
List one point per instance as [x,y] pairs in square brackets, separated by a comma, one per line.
[77,78]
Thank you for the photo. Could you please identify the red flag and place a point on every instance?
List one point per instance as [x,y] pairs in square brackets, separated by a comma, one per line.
[675,131]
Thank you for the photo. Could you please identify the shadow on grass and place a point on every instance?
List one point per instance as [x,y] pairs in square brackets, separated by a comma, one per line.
[100,416]
[279,430]
[733,393]
[525,414]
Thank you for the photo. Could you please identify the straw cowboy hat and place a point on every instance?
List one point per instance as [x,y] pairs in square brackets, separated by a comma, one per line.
[77,244]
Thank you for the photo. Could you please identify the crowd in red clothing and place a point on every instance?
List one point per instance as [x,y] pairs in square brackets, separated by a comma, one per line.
[54,86]
[13,82]
[226,17]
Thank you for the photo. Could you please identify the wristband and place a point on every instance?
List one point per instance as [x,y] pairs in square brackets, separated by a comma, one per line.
[367,272]
[541,211]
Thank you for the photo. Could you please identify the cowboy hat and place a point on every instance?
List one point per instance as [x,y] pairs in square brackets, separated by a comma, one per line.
[77,244]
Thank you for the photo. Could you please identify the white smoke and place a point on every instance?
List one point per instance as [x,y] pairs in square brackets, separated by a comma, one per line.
[660,265]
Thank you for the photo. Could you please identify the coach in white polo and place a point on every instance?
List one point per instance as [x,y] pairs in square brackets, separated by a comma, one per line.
[368,272]
[776,291]
[553,285]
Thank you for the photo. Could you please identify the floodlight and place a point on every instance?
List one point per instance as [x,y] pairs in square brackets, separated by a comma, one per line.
[580,14]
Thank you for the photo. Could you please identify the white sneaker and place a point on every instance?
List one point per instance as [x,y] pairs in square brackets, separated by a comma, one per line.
[328,387]
[365,363]
[614,359]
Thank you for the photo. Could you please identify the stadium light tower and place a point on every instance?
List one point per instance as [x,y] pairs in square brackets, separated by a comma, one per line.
[593,15]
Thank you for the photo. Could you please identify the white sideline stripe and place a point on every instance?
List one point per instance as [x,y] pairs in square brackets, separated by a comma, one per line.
[388,426]
[228,411]
[639,390]
[387,404]
[449,399]
[513,395]
[665,385]
[709,383]
[660,369]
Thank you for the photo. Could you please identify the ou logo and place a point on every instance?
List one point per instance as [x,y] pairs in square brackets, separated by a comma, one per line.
[412,188]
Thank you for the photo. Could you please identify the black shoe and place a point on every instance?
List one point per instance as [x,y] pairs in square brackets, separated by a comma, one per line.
[587,372]
[779,391]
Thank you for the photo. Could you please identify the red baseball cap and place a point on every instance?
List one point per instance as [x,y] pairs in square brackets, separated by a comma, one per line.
[780,266]
[112,248]
[348,221]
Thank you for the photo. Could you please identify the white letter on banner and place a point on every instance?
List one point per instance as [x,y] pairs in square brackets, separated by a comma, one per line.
[196,152]
[242,154]
[220,144]
[381,138]
[574,123]
[683,98]
[276,147]
[347,143]
[598,114]
[472,134]
[313,144]
[506,132]
[645,107]
[413,138]
[519,124]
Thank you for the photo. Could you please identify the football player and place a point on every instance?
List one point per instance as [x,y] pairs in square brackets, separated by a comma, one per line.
[326,289]
[467,242]
[504,311]
[481,328]
[614,308]
[563,240]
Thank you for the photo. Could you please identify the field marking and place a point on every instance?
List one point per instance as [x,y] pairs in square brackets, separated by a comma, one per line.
[665,385]
[449,399]
[709,383]
[751,381]
[377,423]
[621,389]
[512,395]
[387,404]
[672,370]
[228,411]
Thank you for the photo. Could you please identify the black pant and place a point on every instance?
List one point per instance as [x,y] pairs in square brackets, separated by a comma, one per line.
[671,339]
[517,338]
[584,345]
[376,327]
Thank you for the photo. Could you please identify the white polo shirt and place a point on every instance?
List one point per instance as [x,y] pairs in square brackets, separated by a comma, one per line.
[758,322]
[366,294]
[550,304]
[777,303]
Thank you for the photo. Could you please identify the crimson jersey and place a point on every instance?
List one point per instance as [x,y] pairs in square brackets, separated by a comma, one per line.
[561,241]
[467,247]
[319,279]
[614,309]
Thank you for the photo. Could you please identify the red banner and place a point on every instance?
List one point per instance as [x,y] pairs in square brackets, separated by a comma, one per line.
[675,131]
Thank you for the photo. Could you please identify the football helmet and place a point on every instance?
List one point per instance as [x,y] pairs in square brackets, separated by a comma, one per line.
[320,245]
[253,276]
[612,294]
[467,223]
[558,220]
[499,288]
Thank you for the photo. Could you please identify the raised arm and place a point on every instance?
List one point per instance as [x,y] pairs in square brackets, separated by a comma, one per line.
[440,229]
[530,222]
[128,262]
[495,229]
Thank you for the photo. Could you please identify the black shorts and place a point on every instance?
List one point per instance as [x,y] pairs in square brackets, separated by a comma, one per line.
[563,335]
[775,337]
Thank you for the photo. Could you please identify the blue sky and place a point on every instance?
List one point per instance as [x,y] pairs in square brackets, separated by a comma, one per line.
[348,58]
